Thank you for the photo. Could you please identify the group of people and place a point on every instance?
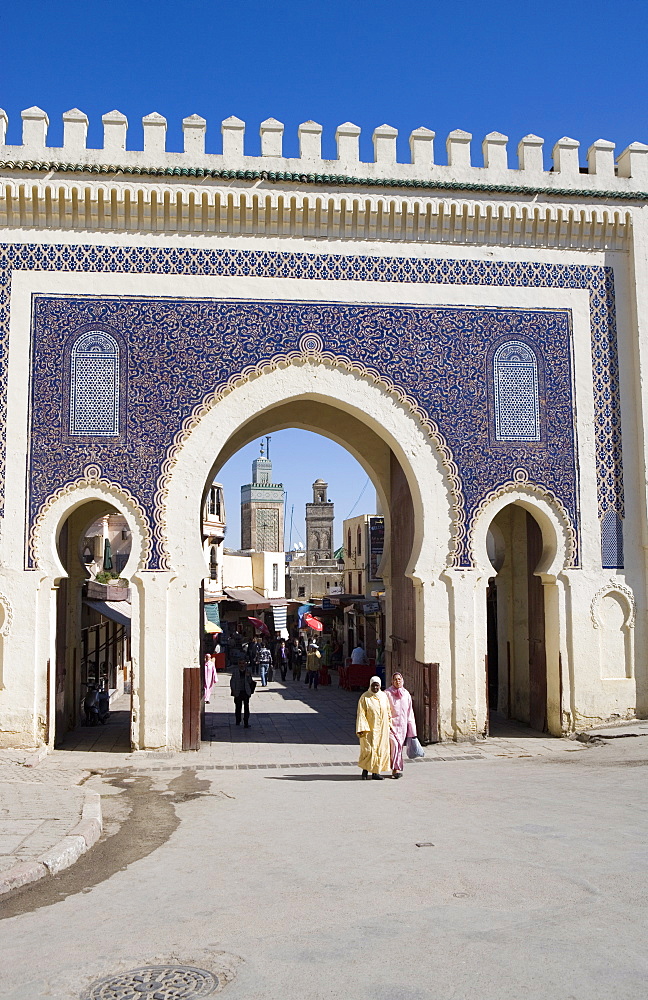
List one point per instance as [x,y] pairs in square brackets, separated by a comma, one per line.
[267,656]
[384,722]
[262,659]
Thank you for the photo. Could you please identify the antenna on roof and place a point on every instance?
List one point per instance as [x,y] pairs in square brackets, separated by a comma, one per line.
[268,446]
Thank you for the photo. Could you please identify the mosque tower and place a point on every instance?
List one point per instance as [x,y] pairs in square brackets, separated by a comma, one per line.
[262,508]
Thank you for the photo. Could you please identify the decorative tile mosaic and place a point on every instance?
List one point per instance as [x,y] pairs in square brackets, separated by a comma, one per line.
[516,395]
[598,281]
[181,350]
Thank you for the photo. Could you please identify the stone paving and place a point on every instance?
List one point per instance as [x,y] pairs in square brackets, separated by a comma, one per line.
[291,726]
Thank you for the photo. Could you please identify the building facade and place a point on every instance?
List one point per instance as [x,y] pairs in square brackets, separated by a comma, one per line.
[313,573]
[475,336]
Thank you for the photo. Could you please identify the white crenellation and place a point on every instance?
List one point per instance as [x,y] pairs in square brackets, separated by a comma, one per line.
[530,154]
[628,175]
[347,137]
[458,148]
[633,163]
[494,151]
[310,141]
[422,148]
[565,157]
[194,129]
[600,159]
[233,132]
[155,127]
[34,130]
[271,132]
[115,127]
[75,130]
[384,143]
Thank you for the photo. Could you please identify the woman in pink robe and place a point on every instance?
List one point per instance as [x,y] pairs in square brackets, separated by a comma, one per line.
[403,724]
[211,677]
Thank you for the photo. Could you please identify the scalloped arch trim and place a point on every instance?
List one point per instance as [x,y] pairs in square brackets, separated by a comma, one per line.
[92,479]
[614,587]
[520,484]
[312,354]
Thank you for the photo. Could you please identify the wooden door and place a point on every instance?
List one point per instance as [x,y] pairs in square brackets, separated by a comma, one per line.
[191,695]
[536,613]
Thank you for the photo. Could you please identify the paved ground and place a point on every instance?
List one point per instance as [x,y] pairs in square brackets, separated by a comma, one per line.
[291,725]
[307,884]
[264,859]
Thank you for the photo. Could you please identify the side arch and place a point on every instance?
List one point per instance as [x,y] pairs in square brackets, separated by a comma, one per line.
[58,507]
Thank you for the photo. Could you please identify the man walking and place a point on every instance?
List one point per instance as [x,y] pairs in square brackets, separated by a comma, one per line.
[313,658]
[242,687]
[264,659]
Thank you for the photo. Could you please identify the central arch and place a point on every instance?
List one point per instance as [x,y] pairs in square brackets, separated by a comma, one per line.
[382,432]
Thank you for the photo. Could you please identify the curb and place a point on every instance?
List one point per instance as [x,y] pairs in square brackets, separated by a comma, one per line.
[76,842]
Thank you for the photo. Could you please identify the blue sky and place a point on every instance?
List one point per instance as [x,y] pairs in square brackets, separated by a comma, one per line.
[558,68]
[298,459]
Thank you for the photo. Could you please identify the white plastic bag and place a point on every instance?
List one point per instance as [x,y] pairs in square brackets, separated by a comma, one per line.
[414,748]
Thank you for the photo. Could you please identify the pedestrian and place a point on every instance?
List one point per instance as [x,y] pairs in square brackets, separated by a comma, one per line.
[372,729]
[403,723]
[312,664]
[296,659]
[211,677]
[281,659]
[358,654]
[264,660]
[242,688]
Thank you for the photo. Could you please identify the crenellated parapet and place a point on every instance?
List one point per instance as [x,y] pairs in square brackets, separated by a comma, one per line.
[531,170]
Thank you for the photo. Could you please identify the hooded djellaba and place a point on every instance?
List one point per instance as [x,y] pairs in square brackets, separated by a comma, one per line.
[372,728]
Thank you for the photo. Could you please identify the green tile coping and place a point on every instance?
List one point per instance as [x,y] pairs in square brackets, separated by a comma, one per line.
[336,180]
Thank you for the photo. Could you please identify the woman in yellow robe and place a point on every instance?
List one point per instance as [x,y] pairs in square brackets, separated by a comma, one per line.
[372,728]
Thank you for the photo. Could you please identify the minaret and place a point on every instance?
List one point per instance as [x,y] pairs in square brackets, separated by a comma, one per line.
[262,508]
[319,526]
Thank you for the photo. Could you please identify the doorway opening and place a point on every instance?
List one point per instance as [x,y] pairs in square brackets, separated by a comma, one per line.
[93,666]
[297,497]
[515,616]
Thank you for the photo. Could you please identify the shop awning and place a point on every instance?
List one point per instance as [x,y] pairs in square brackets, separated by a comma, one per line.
[248,597]
[117,611]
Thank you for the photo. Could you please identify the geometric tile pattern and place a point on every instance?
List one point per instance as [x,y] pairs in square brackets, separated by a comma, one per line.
[94,386]
[181,351]
[612,540]
[598,281]
[517,404]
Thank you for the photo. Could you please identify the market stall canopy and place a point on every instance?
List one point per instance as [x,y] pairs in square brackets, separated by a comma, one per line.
[211,628]
[248,597]
[117,611]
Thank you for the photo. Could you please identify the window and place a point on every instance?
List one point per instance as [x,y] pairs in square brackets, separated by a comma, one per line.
[515,387]
[350,584]
[359,540]
[275,576]
[94,386]
[612,541]
[213,563]
[348,552]
[301,592]
[359,590]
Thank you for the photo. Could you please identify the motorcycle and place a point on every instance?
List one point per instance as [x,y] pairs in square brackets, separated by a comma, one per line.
[103,706]
[91,706]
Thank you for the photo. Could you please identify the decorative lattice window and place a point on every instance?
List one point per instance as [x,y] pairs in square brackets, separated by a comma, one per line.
[515,383]
[94,385]
[612,541]
[267,529]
